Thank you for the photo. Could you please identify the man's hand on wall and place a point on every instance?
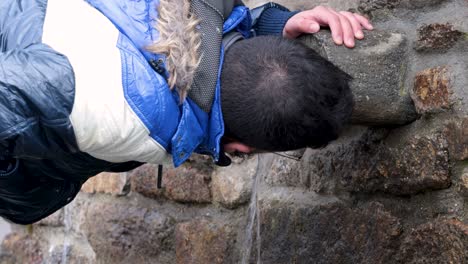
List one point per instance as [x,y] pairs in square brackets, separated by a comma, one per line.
[344,26]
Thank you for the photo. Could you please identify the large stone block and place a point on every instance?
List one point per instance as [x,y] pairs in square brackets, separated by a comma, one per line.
[378,65]
[437,37]
[202,241]
[432,90]
[287,172]
[401,163]
[189,183]
[106,182]
[120,232]
[326,232]
[457,136]
[440,241]
[379,9]
[232,186]
[143,180]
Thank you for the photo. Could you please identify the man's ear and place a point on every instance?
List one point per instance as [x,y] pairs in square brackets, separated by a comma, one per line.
[237,147]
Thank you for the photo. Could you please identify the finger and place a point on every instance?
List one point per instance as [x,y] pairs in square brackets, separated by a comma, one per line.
[333,21]
[313,27]
[348,33]
[364,22]
[301,25]
[357,28]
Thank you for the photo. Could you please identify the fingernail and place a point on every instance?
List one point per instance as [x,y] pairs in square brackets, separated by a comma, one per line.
[371,27]
[339,40]
[314,27]
[359,34]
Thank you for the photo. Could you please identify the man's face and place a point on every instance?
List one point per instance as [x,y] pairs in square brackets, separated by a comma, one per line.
[232,146]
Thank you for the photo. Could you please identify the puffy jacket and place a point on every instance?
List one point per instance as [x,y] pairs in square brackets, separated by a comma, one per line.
[41,166]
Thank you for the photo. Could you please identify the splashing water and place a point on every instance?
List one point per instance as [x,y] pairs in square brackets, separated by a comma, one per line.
[264,163]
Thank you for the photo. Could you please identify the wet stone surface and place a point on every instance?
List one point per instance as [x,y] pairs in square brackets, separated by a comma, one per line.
[68,253]
[371,164]
[327,233]
[122,233]
[55,219]
[441,241]
[202,241]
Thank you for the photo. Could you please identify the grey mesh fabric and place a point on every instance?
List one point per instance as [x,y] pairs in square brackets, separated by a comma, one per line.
[211,16]
[231,38]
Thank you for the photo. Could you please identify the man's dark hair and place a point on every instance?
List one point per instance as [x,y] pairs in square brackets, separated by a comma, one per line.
[278,94]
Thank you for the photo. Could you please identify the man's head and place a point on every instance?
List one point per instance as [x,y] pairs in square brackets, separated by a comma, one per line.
[278,94]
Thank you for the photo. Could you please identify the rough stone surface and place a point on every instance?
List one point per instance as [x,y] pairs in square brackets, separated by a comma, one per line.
[286,172]
[437,37]
[420,3]
[378,66]
[370,163]
[380,9]
[143,180]
[121,233]
[21,248]
[307,4]
[56,219]
[327,233]
[106,182]
[432,90]
[441,241]
[464,183]
[202,241]
[68,253]
[232,186]
[189,183]
[457,136]
[369,6]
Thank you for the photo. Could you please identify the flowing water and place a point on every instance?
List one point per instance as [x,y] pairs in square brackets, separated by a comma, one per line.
[67,221]
[264,163]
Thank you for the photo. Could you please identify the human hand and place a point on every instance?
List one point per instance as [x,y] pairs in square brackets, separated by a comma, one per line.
[344,26]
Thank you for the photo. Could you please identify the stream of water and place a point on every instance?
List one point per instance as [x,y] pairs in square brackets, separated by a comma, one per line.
[67,221]
[264,164]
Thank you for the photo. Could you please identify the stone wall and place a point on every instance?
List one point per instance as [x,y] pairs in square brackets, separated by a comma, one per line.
[392,189]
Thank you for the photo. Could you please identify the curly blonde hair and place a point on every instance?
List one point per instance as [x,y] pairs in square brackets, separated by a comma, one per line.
[179,40]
